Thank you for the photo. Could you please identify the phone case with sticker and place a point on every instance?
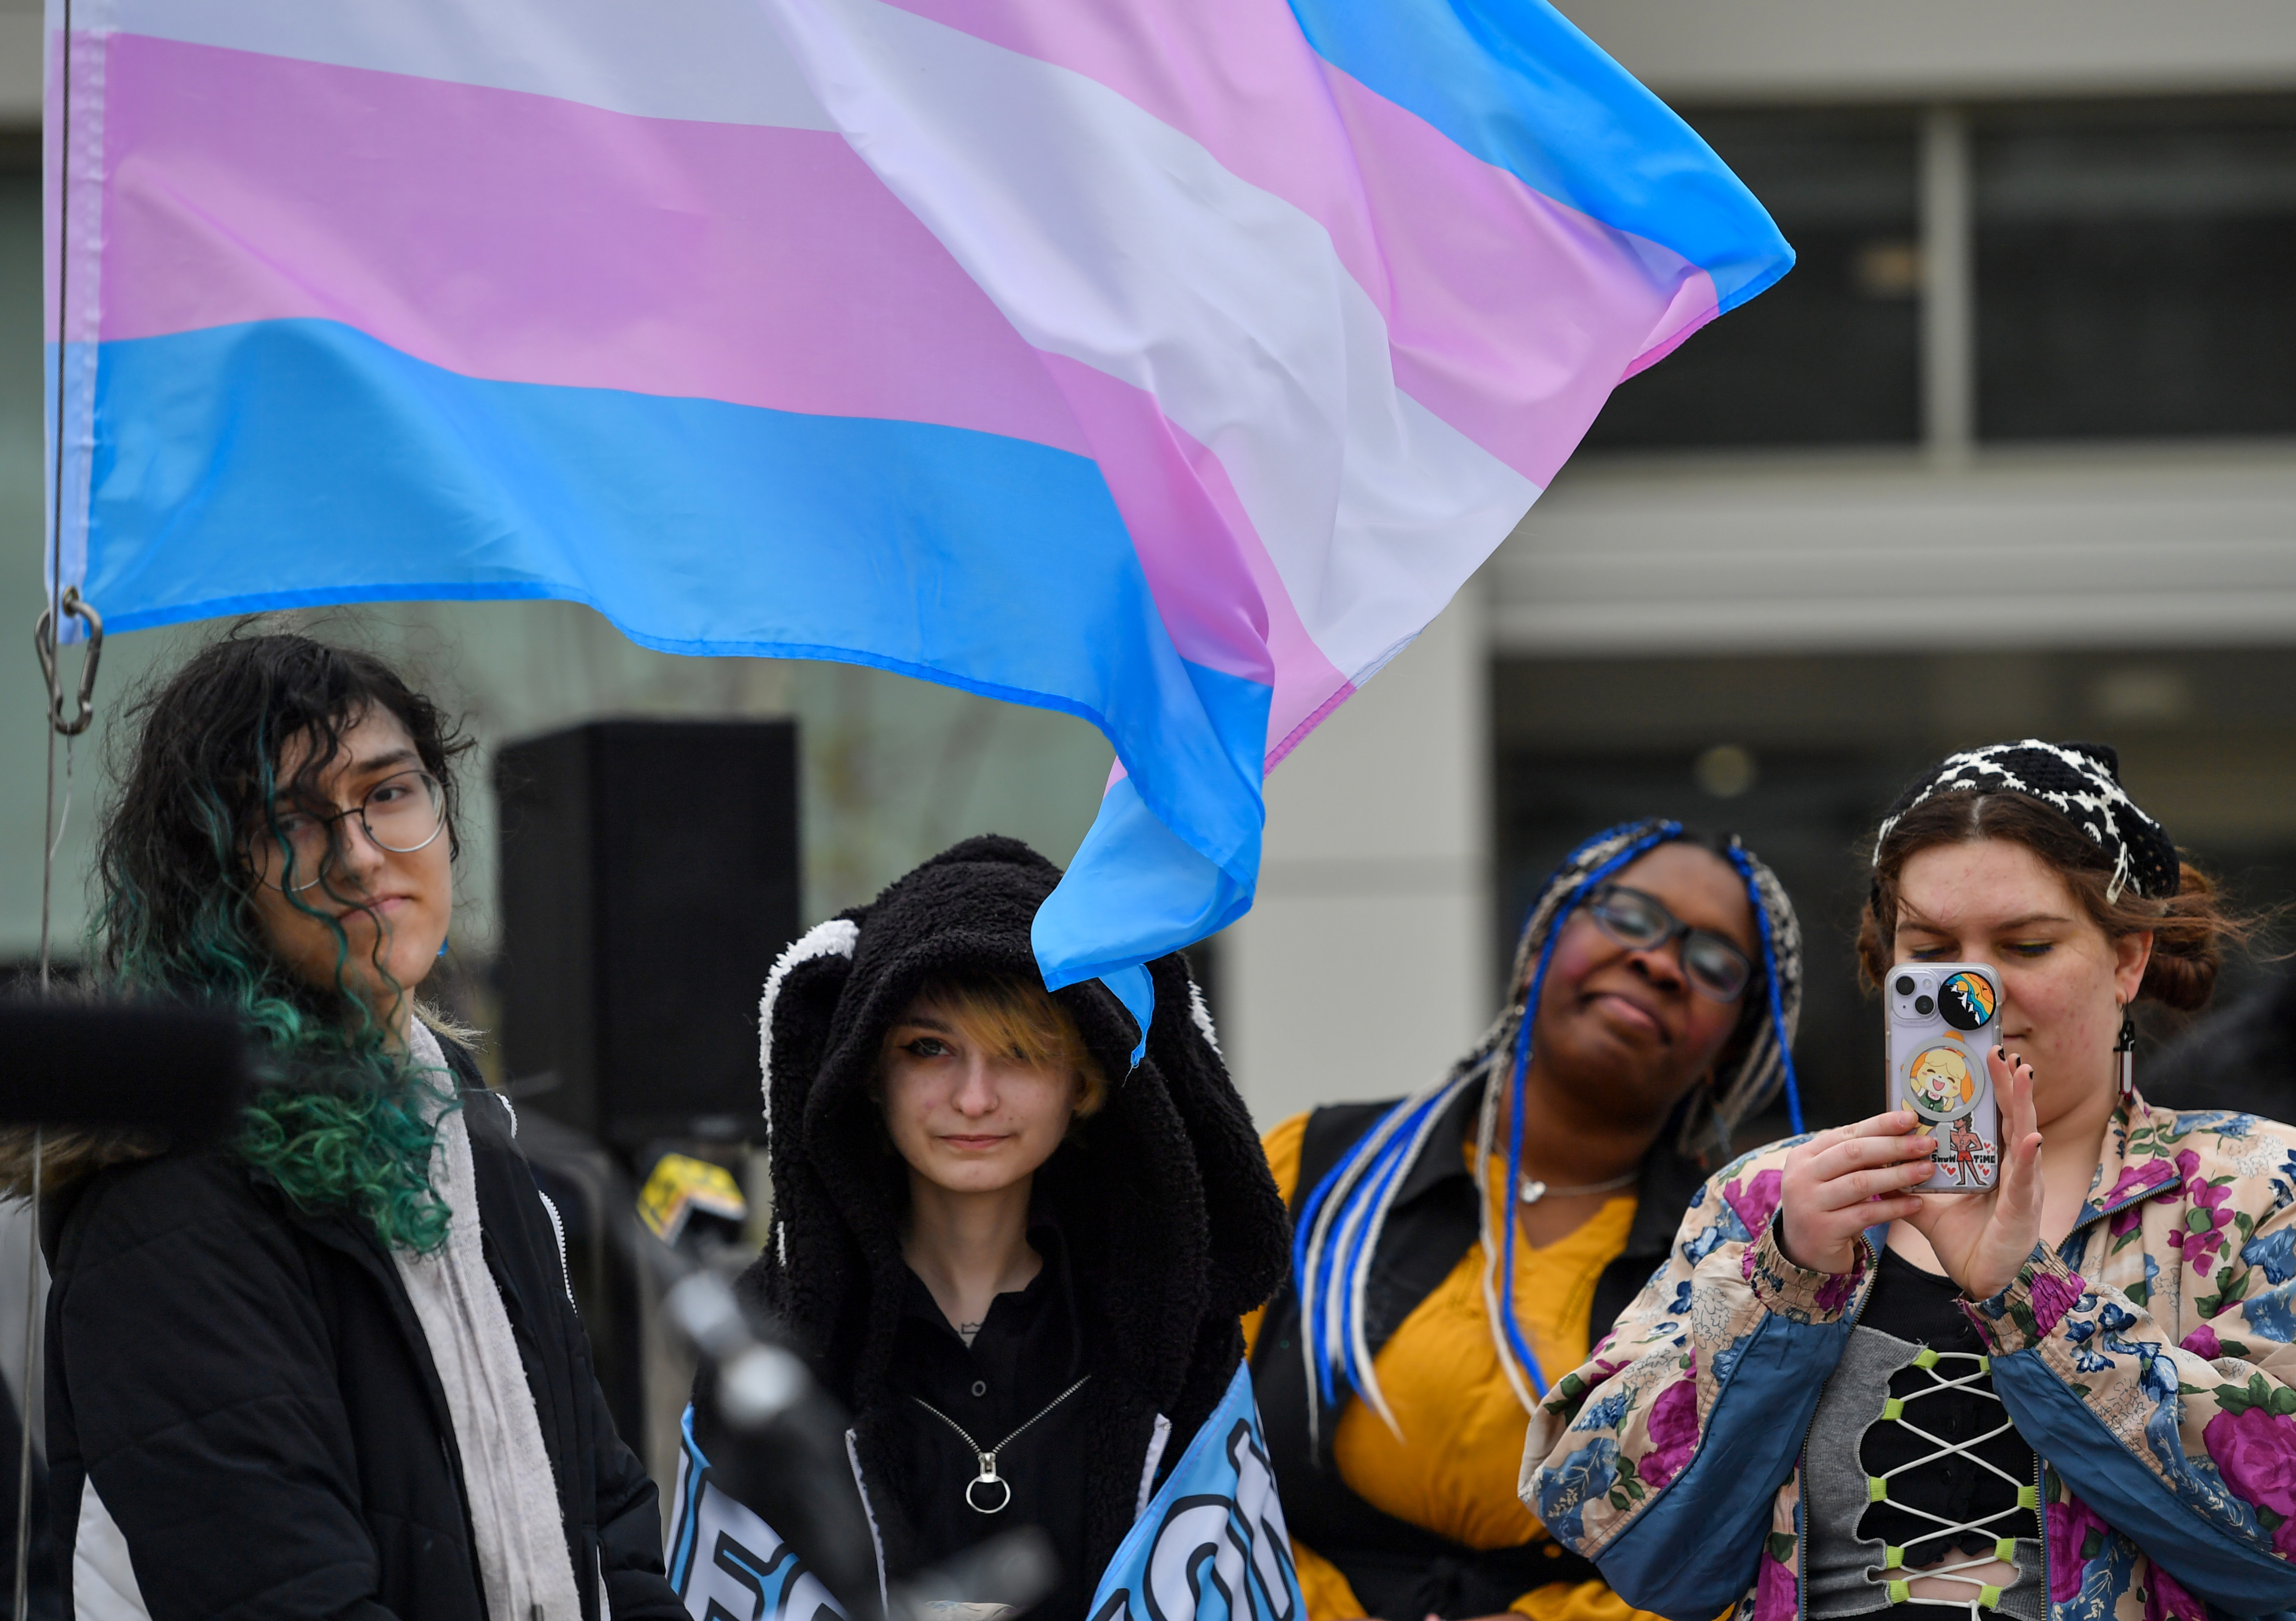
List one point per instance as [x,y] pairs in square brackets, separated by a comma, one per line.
[1943,1018]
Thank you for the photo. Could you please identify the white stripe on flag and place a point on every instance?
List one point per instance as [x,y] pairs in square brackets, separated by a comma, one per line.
[708,61]
[1106,236]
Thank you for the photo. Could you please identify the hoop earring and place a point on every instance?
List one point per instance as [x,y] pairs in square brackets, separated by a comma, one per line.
[2127,1047]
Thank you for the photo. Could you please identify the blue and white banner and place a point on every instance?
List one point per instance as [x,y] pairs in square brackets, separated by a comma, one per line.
[1211,1544]
[726,1562]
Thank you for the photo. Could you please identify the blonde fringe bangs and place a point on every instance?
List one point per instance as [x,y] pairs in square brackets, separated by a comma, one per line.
[1021,1022]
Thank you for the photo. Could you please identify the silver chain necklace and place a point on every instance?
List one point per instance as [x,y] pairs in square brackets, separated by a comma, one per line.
[989,1474]
[1532,1189]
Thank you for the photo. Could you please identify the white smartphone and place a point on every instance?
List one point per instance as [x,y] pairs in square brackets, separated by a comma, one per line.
[1944,1019]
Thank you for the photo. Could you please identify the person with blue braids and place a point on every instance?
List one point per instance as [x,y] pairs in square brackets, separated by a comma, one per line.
[1452,1245]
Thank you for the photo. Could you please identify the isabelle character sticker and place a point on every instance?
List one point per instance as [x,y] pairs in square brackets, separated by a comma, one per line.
[1940,1084]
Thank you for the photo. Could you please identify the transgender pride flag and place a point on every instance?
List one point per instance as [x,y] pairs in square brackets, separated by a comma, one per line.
[1169,362]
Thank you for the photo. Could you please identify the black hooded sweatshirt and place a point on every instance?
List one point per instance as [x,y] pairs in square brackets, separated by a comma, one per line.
[1169,1223]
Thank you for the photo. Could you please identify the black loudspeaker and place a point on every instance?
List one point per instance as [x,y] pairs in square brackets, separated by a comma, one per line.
[649,880]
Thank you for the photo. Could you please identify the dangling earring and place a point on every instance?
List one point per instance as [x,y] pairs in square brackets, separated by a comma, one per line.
[2127,1047]
[442,945]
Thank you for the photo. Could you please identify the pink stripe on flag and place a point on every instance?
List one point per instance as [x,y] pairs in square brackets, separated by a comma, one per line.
[513,236]
[1444,243]
[1693,306]
[1522,373]
[520,238]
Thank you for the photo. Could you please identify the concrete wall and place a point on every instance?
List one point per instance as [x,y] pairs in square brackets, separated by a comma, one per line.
[1368,963]
[20,27]
[2112,544]
[2130,546]
[1836,49]
[1365,965]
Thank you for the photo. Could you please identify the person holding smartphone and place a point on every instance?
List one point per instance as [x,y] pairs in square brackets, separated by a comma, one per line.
[1452,1245]
[2070,1395]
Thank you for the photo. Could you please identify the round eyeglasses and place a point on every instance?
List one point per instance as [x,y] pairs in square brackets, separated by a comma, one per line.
[402,813]
[1715,967]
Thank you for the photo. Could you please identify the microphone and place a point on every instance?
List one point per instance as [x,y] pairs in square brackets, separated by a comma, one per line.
[785,1458]
[121,1065]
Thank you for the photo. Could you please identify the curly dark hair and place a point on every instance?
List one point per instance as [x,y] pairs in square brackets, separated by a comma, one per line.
[2190,929]
[338,1120]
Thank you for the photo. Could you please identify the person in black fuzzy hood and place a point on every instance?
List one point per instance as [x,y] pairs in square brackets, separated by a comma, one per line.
[1151,1226]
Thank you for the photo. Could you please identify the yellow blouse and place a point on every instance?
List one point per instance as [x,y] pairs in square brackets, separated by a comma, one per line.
[1453,1472]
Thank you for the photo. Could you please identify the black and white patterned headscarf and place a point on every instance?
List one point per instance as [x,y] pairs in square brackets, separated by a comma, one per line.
[2082,780]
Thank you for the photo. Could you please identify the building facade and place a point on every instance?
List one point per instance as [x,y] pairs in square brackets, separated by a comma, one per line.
[2012,451]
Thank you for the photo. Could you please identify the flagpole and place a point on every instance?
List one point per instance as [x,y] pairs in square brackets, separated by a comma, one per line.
[48,637]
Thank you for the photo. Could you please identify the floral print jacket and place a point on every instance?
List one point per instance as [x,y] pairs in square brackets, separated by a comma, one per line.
[2149,1361]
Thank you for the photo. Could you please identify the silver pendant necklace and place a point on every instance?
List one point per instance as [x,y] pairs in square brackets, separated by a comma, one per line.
[989,1474]
[1532,1189]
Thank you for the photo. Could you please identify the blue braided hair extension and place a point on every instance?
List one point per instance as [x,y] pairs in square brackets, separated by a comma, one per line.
[1758,879]
[1340,1222]
[1525,1359]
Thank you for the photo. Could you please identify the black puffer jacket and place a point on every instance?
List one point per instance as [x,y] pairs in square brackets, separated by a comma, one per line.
[1173,1224]
[248,1390]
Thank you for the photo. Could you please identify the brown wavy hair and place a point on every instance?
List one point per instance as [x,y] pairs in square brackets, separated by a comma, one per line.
[2190,929]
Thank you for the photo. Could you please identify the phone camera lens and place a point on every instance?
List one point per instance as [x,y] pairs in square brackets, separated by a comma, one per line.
[1924,1005]
[1904,984]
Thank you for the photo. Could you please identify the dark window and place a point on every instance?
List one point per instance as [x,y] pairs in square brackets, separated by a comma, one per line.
[1803,814]
[2134,270]
[1830,354]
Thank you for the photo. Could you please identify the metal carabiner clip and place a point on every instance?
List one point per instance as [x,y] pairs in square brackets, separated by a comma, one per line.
[43,643]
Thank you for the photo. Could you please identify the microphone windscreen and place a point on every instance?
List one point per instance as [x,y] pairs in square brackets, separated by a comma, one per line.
[181,1071]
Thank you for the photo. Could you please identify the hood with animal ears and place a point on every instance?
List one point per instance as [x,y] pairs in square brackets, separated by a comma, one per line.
[1163,1196]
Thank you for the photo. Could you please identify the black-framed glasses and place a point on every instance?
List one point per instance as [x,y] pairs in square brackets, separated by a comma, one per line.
[1715,967]
[402,813]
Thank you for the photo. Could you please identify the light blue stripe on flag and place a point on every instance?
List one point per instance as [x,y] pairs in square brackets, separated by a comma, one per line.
[295,462]
[726,1562]
[1133,888]
[1211,1545]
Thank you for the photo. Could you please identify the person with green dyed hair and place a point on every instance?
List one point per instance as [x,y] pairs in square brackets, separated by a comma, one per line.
[331,1366]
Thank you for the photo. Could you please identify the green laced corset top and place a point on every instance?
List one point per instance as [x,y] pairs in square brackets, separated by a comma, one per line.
[1914,1467]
